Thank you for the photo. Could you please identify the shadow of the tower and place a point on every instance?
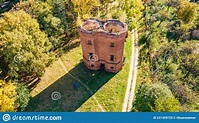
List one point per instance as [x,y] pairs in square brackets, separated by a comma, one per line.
[71,98]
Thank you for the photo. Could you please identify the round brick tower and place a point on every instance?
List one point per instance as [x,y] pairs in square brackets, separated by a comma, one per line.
[103,44]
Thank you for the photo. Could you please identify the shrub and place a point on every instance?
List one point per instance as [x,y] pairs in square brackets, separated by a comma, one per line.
[167,105]
[147,95]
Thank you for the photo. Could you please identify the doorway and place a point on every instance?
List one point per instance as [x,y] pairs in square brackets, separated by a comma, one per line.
[102,66]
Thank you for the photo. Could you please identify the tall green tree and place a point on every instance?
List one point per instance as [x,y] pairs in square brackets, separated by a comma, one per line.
[23,96]
[49,21]
[133,10]
[147,95]
[26,50]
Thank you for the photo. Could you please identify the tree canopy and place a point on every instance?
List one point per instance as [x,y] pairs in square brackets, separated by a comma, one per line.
[26,48]
[7,96]
[13,96]
[148,94]
[168,53]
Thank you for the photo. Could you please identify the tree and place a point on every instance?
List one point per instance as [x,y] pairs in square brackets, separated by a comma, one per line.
[7,96]
[187,12]
[106,7]
[13,96]
[147,95]
[27,48]
[85,8]
[49,21]
[189,58]
[133,10]
[62,11]
[129,11]
[22,98]
[163,104]
[169,61]
[124,10]
[178,68]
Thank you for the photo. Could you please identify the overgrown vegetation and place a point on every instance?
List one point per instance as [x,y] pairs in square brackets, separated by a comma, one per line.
[155,97]
[14,96]
[169,55]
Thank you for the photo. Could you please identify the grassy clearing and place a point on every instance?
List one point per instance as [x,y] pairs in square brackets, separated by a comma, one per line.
[108,88]
[111,95]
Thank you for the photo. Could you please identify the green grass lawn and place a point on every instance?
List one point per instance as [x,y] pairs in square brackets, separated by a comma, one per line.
[108,88]
[111,95]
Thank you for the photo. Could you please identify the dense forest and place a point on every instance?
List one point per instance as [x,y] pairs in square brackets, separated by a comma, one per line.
[33,33]
[168,78]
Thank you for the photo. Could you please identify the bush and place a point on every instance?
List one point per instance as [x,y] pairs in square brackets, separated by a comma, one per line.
[23,97]
[147,95]
[167,105]
[184,95]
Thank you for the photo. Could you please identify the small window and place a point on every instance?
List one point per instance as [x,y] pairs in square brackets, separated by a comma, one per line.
[89,42]
[92,65]
[112,58]
[112,44]
[112,67]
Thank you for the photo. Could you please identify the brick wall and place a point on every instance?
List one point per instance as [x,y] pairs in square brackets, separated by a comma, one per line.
[103,44]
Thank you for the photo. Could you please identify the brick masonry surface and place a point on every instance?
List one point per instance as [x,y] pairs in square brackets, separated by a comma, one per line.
[103,44]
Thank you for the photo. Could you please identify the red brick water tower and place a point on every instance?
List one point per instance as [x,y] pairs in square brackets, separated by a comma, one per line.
[103,44]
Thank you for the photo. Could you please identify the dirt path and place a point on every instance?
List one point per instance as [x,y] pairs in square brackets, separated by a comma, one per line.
[88,89]
[133,85]
[125,104]
[129,95]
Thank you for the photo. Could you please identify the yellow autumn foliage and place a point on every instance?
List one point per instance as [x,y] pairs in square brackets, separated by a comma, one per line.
[187,12]
[84,8]
[7,96]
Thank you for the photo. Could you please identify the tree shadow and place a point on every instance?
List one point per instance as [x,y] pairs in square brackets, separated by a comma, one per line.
[31,85]
[66,47]
[71,45]
[68,98]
